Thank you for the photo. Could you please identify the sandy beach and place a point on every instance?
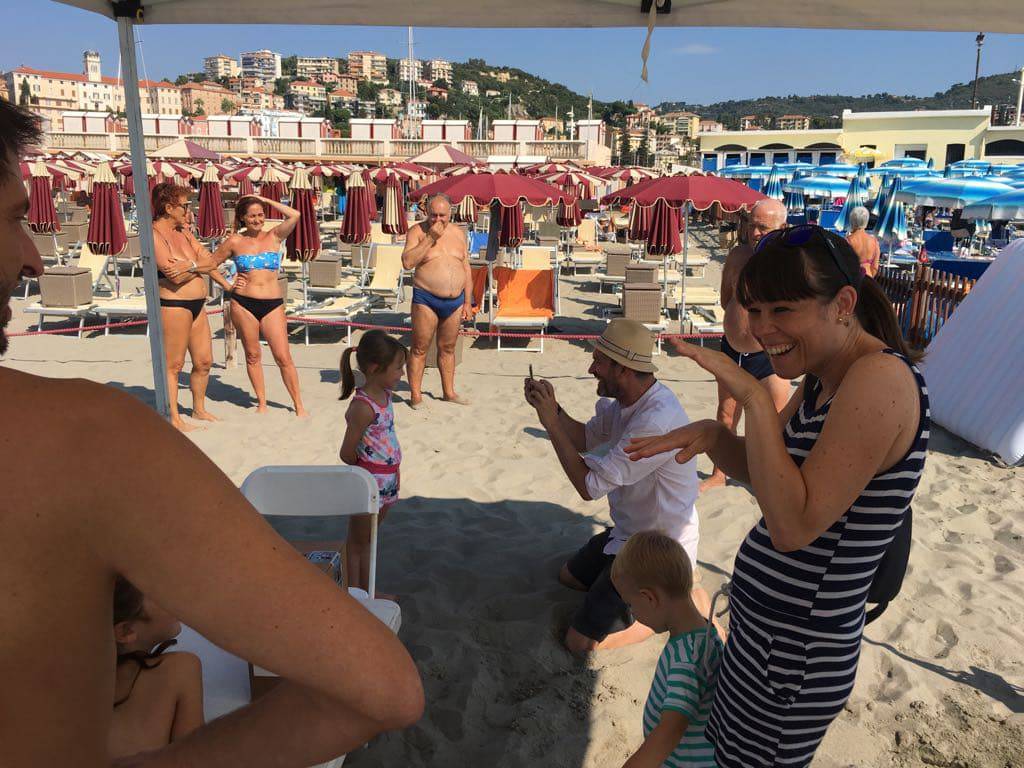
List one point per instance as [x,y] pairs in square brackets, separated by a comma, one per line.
[487,518]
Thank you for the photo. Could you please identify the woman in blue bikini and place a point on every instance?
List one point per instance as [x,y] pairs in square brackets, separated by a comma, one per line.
[258,304]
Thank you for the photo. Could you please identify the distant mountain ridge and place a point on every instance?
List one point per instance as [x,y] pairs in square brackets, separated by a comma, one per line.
[992,89]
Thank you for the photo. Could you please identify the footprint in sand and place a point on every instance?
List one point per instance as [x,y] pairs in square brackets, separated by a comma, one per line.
[1003,564]
[944,634]
[893,684]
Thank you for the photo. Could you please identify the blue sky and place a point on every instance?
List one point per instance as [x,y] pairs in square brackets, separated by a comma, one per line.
[699,65]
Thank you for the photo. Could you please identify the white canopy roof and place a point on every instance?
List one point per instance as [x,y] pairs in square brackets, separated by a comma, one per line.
[940,15]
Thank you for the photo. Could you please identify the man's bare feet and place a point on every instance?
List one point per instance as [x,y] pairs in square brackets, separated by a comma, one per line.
[204,416]
[301,413]
[716,480]
[456,399]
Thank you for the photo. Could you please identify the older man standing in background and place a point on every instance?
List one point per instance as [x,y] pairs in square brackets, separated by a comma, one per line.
[442,295]
[738,343]
[864,244]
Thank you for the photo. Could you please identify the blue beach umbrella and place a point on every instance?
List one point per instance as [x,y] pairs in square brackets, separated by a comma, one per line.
[886,198]
[931,163]
[818,186]
[892,222]
[773,184]
[745,172]
[908,172]
[949,193]
[855,196]
[794,201]
[905,162]
[883,190]
[1006,206]
[837,169]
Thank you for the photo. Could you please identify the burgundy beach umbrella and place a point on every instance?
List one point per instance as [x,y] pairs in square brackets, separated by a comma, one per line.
[371,189]
[466,211]
[304,241]
[569,214]
[511,234]
[106,223]
[245,187]
[42,215]
[663,232]
[639,222]
[273,188]
[355,224]
[394,221]
[211,207]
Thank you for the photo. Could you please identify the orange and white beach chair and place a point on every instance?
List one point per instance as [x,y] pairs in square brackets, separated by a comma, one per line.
[526,300]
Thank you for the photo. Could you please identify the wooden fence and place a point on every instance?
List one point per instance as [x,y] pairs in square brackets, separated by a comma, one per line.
[923,298]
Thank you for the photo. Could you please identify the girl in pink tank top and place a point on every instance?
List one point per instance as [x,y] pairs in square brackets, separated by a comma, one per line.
[370,441]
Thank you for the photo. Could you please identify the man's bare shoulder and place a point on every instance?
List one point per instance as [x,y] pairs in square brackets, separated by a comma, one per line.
[738,256]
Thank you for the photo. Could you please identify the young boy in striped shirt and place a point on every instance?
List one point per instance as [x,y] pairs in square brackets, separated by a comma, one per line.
[652,573]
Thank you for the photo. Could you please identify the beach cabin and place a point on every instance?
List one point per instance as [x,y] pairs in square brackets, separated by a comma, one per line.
[301,127]
[592,130]
[164,125]
[517,130]
[233,125]
[373,128]
[446,130]
[88,122]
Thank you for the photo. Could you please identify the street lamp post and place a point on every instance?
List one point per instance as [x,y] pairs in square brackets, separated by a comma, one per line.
[980,40]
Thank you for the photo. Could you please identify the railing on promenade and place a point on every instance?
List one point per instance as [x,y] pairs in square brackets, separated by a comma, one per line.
[924,298]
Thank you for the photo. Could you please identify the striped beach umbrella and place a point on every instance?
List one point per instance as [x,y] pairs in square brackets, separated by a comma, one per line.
[106,233]
[855,196]
[826,187]
[511,234]
[394,220]
[303,244]
[892,218]
[794,201]
[1009,205]
[211,206]
[773,184]
[951,192]
[569,214]
[355,224]
[465,211]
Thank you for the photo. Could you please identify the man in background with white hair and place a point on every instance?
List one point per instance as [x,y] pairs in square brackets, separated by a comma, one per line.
[738,343]
[863,243]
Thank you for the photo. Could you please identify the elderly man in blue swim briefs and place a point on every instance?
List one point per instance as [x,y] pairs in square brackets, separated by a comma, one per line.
[442,294]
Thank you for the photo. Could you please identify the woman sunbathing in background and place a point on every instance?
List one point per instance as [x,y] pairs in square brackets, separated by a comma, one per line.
[158,697]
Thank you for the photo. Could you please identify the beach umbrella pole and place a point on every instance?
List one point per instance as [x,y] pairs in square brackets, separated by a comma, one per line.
[686,253]
[133,110]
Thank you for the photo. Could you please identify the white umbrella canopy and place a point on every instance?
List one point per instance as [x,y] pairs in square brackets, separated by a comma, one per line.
[947,15]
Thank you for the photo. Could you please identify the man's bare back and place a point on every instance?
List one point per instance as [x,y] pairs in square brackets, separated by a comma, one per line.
[442,270]
[737,322]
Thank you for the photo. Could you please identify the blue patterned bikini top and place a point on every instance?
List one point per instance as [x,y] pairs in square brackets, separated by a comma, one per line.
[247,262]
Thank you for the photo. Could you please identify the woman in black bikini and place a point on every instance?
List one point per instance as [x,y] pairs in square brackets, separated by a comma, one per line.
[181,262]
[258,304]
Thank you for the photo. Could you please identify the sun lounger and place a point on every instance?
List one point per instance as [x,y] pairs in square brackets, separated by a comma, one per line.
[387,274]
[80,313]
[48,246]
[337,308]
[480,286]
[525,301]
[120,308]
[98,264]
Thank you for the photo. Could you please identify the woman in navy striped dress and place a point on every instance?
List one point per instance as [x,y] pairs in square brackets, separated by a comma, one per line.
[833,474]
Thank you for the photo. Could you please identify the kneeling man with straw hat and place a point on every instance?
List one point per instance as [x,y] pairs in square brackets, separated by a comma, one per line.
[655,493]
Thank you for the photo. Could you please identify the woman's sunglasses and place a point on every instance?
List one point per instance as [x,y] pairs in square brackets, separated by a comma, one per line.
[800,235]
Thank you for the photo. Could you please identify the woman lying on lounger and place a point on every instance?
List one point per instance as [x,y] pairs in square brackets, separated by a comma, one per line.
[258,304]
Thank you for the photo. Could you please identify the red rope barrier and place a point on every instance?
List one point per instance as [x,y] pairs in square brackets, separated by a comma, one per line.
[83,329]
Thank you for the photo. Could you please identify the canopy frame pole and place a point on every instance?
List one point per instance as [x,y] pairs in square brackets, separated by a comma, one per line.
[682,276]
[137,146]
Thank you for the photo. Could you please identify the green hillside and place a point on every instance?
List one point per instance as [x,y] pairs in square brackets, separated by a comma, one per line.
[992,89]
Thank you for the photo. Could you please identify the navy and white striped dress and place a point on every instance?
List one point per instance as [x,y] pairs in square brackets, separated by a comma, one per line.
[797,617]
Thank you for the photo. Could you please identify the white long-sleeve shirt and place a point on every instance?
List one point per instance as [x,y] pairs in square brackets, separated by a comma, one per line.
[652,493]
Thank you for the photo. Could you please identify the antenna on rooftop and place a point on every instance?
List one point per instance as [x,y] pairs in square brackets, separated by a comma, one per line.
[410,71]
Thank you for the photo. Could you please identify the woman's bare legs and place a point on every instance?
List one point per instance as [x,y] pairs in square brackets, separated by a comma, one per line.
[248,328]
[177,326]
[200,349]
[275,330]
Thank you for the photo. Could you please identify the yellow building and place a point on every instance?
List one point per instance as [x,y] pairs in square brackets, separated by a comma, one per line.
[944,136]
[685,124]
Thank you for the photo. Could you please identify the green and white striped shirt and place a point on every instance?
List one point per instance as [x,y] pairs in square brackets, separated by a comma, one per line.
[685,682]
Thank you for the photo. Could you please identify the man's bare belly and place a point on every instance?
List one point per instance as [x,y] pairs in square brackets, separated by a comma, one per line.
[443,275]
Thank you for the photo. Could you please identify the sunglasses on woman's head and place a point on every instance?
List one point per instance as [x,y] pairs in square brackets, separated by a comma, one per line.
[800,235]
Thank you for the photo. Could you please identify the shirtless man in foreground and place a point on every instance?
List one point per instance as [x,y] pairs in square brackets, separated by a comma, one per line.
[442,295]
[177,528]
[739,343]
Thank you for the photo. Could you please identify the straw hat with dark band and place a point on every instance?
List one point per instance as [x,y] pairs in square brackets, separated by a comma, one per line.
[628,343]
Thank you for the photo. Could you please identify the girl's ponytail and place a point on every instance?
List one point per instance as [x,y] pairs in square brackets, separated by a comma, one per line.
[348,378]
[876,316]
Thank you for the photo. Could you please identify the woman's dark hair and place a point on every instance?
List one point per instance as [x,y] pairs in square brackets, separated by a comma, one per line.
[128,607]
[781,272]
[374,348]
[164,195]
[19,129]
[241,207]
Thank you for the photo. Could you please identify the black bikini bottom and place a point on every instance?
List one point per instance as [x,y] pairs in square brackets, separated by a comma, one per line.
[195,306]
[258,308]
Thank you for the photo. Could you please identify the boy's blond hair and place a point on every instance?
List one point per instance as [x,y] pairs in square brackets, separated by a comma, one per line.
[652,559]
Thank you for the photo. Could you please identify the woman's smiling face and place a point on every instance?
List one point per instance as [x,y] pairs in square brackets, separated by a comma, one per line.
[798,336]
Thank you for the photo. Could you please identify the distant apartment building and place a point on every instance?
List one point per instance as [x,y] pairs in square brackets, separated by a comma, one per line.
[389,97]
[751,123]
[793,123]
[205,98]
[437,92]
[306,95]
[491,92]
[410,69]
[160,98]
[348,82]
[341,98]
[641,119]
[500,76]
[710,126]
[469,87]
[685,124]
[439,69]
[247,83]
[220,66]
[263,64]
[416,110]
[257,99]
[316,67]
[368,65]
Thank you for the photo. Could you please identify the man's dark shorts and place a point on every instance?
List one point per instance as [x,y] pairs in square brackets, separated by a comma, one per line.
[756,364]
[603,611]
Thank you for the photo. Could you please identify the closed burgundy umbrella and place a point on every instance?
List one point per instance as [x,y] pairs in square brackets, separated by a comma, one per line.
[394,221]
[466,211]
[663,232]
[355,224]
[371,189]
[245,187]
[106,233]
[304,241]
[273,189]
[211,207]
[569,214]
[511,233]
[639,222]
[42,215]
